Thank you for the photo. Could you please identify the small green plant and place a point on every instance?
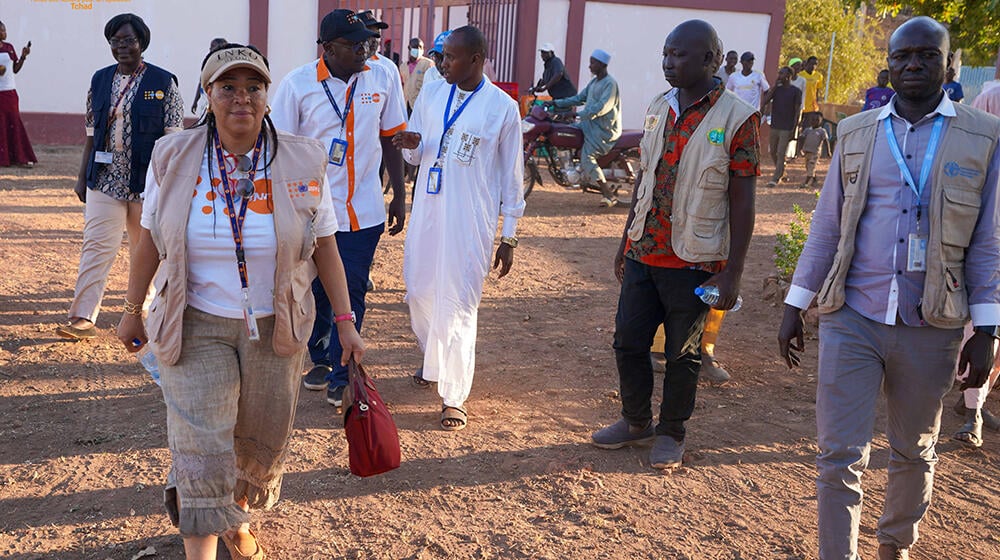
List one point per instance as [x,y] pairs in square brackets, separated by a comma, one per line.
[788,246]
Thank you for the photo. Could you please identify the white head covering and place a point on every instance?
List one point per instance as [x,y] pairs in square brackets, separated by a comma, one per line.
[548,47]
[601,55]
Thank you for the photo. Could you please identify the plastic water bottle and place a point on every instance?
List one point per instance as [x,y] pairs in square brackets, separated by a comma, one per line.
[148,361]
[710,295]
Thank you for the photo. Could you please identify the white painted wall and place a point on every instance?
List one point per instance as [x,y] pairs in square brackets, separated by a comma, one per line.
[637,55]
[68,46]
[458,16]
[553,16]
[292,29]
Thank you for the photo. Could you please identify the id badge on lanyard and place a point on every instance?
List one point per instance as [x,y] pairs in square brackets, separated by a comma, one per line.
[253,333]
[103,157]
[434,179]
[435,172]
[338,146]
[916,253]
[338,151]
[236,224]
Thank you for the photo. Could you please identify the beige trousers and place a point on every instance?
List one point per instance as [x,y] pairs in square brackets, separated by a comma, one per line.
[104,220]
[230,409]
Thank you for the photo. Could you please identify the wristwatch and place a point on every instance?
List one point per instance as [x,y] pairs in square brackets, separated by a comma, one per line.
[346,317]
[512,241]
[992,330]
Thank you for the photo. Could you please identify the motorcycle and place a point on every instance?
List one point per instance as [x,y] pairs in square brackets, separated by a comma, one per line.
[558,145]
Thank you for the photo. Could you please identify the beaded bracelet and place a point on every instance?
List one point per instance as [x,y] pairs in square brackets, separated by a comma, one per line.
[133,308]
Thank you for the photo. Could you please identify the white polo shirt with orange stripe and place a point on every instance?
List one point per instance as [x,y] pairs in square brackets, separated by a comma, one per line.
[300,106]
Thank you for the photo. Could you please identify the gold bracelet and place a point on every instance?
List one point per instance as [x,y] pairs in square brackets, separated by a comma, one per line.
[133,308]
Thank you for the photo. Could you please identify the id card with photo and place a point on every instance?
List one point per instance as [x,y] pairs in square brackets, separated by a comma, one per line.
[916,255]
[249,317]
[103,157]
[434,180]
[338,151]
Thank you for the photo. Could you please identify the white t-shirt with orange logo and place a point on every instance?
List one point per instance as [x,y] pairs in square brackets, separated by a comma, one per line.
[213,284]
[300,106]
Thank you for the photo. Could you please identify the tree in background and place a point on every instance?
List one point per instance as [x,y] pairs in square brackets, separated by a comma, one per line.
[974,24]
[809,26]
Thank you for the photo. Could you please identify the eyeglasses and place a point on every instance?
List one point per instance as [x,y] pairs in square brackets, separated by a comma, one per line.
[124,41]
[244,188]
[358,47]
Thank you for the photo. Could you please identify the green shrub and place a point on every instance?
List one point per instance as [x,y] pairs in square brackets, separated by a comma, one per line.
[788,246]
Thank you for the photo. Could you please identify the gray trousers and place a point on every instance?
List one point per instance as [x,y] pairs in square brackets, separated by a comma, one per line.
[914,366]
[778,143]
[230,408]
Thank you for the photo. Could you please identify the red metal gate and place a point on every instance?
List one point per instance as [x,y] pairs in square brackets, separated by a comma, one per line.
[498,20]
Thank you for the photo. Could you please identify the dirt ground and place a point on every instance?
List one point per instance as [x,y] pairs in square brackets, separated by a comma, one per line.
[82,435]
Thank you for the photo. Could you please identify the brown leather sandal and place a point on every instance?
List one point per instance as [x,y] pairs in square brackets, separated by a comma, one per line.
[235,553]
[453,418]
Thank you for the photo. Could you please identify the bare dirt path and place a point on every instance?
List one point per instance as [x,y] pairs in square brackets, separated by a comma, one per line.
[82,438]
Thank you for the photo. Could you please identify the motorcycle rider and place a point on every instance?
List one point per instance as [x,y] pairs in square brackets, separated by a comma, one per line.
[600,121]
[555,80]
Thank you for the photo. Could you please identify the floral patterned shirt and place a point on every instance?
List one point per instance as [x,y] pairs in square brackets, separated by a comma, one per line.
[654,248]
[113,180]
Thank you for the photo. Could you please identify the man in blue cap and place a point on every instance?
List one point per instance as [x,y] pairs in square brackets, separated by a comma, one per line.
[600,121]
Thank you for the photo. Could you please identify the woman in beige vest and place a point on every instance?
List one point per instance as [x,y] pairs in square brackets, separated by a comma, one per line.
[233,309]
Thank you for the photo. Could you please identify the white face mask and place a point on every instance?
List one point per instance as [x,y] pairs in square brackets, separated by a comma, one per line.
[416,53]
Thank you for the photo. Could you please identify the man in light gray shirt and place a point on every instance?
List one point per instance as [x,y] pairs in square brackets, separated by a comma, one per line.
[904,248]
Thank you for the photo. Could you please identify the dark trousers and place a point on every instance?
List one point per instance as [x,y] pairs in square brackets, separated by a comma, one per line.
[357,250]
[652,296]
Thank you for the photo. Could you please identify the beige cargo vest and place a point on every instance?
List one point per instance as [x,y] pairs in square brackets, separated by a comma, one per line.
[956,185]
[176,162]
[700,215]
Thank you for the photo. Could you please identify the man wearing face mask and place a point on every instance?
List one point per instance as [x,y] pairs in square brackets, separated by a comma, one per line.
[412,71]
[600,121]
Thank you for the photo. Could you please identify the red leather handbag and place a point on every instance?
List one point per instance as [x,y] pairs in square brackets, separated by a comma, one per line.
[372,439]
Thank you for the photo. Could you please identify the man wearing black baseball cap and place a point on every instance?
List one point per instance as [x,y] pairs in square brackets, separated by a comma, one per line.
[353,108]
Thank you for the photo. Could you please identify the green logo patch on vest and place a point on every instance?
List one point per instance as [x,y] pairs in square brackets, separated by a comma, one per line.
[717,136]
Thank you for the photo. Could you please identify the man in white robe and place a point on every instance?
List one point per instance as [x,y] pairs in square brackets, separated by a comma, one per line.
[470,175]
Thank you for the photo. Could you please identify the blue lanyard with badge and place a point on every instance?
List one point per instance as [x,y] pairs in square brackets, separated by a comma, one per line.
[434,173]
[338,146]
[236,223]
[916,259]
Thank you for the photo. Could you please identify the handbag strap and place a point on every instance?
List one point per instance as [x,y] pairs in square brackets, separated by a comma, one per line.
[358,379]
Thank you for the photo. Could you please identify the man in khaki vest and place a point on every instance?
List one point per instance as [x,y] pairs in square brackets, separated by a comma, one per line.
[690,225]
[902,251]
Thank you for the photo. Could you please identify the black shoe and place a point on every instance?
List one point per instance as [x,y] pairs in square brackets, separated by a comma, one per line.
[315,379]
[959,407]
[335,395]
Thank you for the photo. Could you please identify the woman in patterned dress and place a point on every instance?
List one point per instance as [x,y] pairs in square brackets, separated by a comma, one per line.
[129,106]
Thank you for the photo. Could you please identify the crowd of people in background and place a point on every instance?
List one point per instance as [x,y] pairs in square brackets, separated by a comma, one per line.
[232,313]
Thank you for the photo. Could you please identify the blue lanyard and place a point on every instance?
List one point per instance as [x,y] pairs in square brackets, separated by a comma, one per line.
[449,122]
[336,108]
[925,169]
[236,220]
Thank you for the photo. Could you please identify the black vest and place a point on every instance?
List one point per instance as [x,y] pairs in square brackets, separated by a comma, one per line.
[148,115]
